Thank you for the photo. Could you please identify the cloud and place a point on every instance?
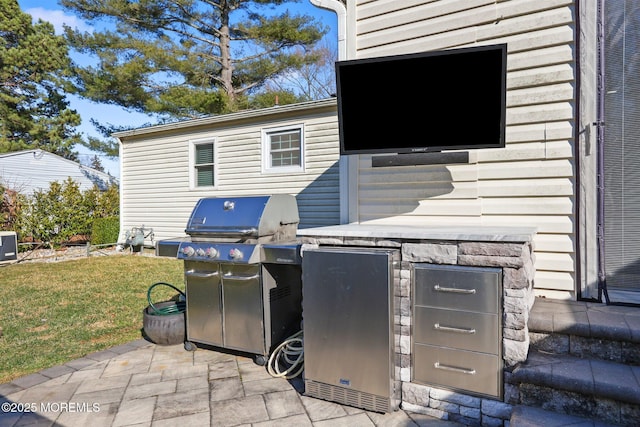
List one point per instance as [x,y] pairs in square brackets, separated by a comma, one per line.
[57,18]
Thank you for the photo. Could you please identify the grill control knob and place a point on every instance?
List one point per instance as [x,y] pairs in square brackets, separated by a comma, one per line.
[200,252]
[188,251]
[235,253]
[211,252]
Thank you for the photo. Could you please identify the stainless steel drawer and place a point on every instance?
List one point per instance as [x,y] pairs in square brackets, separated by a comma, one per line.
[457,329]
[461,288]
[458,369]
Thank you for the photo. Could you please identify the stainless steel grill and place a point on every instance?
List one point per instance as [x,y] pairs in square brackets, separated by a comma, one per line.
[242,273]
[257,219]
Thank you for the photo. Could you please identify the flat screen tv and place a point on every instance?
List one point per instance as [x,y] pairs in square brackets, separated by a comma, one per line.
[423,102]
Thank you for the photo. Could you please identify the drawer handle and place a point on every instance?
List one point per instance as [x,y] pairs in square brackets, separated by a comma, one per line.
[439,327]
[437,288]
[437,365]
[193,273]
[229,276]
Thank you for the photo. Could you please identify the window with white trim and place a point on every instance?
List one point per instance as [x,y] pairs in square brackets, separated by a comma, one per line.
[283,149]
[202,163]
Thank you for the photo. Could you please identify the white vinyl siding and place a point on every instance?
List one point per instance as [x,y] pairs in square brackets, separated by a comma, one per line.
[531,181]
[155,178]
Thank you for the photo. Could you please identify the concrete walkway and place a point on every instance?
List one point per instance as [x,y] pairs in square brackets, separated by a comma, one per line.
[141,384]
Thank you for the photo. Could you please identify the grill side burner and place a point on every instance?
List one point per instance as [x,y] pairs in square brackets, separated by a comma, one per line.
[242,273]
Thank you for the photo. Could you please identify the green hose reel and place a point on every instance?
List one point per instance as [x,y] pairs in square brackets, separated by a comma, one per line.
[167,309]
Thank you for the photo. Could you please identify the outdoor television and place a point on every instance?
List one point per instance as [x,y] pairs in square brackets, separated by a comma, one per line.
[423,102]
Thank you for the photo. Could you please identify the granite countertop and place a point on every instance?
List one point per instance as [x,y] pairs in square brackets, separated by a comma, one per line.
[428,232]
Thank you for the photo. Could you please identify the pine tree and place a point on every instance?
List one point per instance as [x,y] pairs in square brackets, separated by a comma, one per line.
[96,163]
[187,58]
[34,73]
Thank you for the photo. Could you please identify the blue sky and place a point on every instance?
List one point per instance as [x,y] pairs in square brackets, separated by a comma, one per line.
[49,10]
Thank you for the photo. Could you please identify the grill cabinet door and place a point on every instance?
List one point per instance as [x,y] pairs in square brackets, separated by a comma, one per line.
[204,305]
[243,308]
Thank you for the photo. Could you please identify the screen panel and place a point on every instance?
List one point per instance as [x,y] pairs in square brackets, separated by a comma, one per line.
[430,101]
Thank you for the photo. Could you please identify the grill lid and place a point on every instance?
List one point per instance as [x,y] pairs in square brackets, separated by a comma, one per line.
[243,217]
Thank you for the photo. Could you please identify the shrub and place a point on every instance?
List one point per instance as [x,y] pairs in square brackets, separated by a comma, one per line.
[105,230]
[10,204]
[63,213]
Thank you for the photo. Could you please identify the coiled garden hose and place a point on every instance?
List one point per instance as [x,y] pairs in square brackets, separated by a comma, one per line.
[178,307]
[287,359]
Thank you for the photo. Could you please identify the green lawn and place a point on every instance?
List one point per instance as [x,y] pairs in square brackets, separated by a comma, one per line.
[52,313]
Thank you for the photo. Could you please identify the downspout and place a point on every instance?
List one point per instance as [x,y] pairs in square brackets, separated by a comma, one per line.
[341,11]
[347,164]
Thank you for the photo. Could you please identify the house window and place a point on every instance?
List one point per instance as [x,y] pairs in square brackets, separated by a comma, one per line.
[203,165]
[283,149]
